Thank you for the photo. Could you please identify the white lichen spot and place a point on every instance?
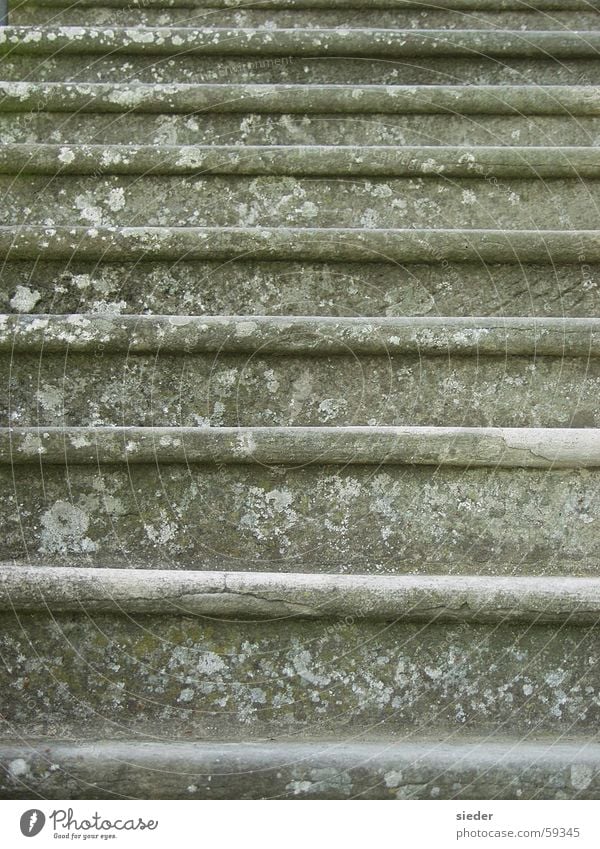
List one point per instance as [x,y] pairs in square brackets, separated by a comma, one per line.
[116,199]
[210,663]
[161,535]
[24,299]
[18,767]
[32,444]
[64,528]
[298,787]
[581,776]
[50,398]
[393,778]
[186,695]
[66,155]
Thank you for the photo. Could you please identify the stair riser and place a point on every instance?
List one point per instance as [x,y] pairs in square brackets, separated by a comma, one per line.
[298,129]
[288,288]
[254,389]
[354,518]
[27,14]
[292,69]
[299,202]
[249,680]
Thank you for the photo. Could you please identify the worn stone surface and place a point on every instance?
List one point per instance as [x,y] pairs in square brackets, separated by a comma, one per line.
[325,244]
[275,596]
[270,201]
[270,129]
[206,679]
[249,287]
[376,42]
[294,69]
[220,389]
[299,447]
[184,98]
[302,160]
[481,768]
[353,519]
[311,525]
[268,19]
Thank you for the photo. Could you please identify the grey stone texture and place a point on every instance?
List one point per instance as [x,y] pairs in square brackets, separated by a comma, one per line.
[300,441]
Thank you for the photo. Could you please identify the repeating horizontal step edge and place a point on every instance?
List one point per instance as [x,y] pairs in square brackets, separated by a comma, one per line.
[317,336]
[305,42]
[31,242]
[185,98]
[246,5]
[482,768]
[297,160]
[251,595]
[540,448]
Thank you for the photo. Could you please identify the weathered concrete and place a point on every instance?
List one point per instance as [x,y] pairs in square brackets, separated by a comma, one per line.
[273,596]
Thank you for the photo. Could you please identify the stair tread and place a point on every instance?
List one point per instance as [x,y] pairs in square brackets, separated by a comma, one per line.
[463,598]
[424,598]
[321,160]
[490,767]
[472,447]
[306,243]
[319,335]
[189,98]
[381,43]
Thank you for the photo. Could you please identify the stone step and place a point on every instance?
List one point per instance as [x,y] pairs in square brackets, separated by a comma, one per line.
[330,204]
[95,675]
[247,15]
[484,162]
[311,336]
[272,596]
[203,654]
[255,287]
[39,127]
[466,447]
[397,500]
[571,100]
[187,55]
[218,371]
[352,43]
[198,69]
[396,5]
[329,244]
[484,768]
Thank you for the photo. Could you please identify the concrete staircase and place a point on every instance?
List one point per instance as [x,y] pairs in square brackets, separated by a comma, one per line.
[301,438]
